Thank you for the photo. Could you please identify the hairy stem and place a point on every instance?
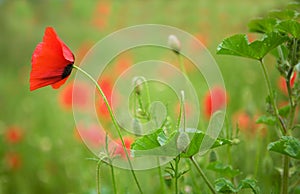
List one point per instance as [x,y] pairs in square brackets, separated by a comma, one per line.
[272,98]
[113,177]
[208,183]
[114,122]
[177,160]
[98,176]
[161,178]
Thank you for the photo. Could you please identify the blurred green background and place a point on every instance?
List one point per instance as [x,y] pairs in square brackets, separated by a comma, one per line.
[40,151]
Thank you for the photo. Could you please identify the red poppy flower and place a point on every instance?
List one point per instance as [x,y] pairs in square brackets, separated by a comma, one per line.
[51,62]
[218,96]
[13,135]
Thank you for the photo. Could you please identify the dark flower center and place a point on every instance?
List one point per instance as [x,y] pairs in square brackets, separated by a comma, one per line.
[67,71]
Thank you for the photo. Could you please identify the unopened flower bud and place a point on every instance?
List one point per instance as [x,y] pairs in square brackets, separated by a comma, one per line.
[137,84]
[140,112]
[235,141]
[183,141]
[174,43]
[213,156]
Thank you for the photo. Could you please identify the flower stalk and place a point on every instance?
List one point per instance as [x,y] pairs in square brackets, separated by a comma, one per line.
[114,122]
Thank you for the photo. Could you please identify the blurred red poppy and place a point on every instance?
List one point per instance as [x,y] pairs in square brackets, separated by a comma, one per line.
[75,95]
[117,147]
[216,95]
[51,62]
[13,160]
[13,134]
[282,84]
[243,120]
[107,87]
[92,135]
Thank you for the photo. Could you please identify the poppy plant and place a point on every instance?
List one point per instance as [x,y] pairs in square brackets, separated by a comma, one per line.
[52,62]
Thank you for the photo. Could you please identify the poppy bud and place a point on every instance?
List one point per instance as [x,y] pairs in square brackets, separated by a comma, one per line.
[168,180]
[235,141]
[174,43]
[213,156]
[183,141]
[137,84]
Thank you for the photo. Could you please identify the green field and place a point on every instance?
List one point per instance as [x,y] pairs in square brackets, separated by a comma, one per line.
[41,151]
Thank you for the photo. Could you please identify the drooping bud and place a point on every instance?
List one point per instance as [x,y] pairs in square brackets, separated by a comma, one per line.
[183,141]
[137,84]
[174,43]
[213,156]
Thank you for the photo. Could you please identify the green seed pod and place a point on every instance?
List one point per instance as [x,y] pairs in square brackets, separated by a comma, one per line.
[183,141]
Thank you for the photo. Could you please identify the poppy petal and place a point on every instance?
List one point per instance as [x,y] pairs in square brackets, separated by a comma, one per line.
[49,61]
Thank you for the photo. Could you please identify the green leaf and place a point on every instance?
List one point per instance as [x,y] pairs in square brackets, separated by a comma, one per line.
[289,27]
[249,184]
[286,145]
[198,137]
[284,111]
[225,170]
[238,45]
[147,142]
[155,144]
[223,185]
[286,14]
[268,120]
[262,25]
[162,138]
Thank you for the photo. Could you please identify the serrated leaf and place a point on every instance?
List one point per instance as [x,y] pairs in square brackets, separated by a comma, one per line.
[289,27]
[286,14]
[249,184]
[262,25]
[196,142]
[268,120]
[238,45]
[223,185]
[286,145]
[155,144]
[225,170]
[147,142]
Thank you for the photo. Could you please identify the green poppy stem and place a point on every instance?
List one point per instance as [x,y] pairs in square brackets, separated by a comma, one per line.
[272,98]
[114,122]
[208,183]
[98,176]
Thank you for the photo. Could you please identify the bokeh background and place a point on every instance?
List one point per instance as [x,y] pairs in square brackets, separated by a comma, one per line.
[40,149]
